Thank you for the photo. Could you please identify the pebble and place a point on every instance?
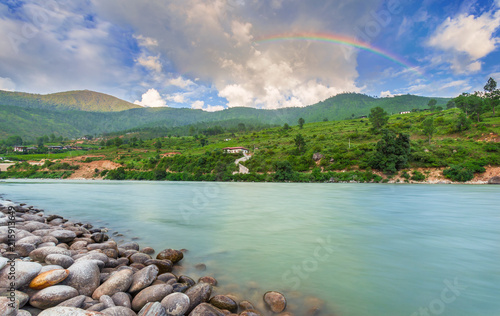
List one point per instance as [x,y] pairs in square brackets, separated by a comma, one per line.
[154,293]
[143,278]
[176,304]
[25,272]
[51,296]
[61,260]
[118,282]
[152,309]
[49,278]
[275,301]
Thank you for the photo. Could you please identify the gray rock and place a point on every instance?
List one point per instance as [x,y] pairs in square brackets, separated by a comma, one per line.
[3,262]
[68,311]
[205,309]
[199,293]
[21,298]
[118,311]
[50,267]
[32,226]
[76,301]
[152,309]
[23,313]
[53,295]
[143,278]
[275,301]
[5,309]
[118,282]
[130,245]
[107,301]
[84,276]
[25,272]
[79,245]
[122,299]
[154,293]
[224,302]
[93,255]
[40,253]
[62,260]
[34,240]
[176,304]
[24,249]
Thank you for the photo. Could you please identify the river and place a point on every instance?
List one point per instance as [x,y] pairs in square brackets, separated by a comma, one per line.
[362,249]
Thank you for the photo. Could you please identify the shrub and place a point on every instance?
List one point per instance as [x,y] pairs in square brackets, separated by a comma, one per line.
[417,176]
[464,172]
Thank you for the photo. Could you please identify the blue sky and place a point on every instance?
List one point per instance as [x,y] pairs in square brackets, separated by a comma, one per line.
[207,54]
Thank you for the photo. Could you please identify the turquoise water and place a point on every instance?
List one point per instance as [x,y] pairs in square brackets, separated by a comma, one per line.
[362,249]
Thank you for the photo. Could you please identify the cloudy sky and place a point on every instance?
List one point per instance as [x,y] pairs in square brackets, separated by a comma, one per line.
[214,54]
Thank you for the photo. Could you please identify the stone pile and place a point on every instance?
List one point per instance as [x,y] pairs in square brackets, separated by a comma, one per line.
[50,266]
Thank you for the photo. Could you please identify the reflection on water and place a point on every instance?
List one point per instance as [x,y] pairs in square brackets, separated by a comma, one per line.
[362,249]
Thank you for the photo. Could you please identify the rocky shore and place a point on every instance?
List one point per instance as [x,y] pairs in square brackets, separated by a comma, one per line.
[50,266]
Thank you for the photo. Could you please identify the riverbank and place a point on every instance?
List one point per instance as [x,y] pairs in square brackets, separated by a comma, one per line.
[50,265]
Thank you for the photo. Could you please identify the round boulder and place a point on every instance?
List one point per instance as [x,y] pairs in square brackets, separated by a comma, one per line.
[275,301]
[176,304]
[170,254]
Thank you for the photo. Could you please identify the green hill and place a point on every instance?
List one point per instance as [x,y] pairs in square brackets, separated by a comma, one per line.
[77,113]
[72,100]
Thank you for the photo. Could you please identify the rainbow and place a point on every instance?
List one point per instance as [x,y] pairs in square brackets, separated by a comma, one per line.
[341,40]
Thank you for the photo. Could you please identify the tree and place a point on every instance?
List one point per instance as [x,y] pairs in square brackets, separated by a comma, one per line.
[203,141]
[392,152]
[378,117]
[283,171]
[118,141]
[301,122]
[325,119]
[492,93]
[463,122]
[476,106]
[300,143]
[429,128]
[450,104]
[432,104]
[241,127]
[158,144]
[462,102]
[286,127]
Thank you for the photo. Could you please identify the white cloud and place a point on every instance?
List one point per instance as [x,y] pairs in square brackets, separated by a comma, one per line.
[147,42]
[215,40]
[200,105]
[151,98]
[386,94]
[456,83]
[150,62]
[181,82]
[7,84]
[467,38]
[177,98]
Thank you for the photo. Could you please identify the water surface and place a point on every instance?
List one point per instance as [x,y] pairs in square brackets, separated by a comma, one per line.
[364,249]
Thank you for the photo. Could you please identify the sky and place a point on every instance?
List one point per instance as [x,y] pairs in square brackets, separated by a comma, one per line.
[217,54]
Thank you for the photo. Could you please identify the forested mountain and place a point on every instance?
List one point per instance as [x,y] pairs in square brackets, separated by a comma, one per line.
[84,100]
[29,116]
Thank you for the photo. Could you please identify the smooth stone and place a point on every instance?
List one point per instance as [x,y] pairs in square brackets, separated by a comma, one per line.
[34,240]
[275,301]
[122,299]
[164,266]
[165,277]
[63,235]
[99,237]
[130,245]
[205,309]
[50,267]
[24,249]
[32,226]
[201,267]
[118,282]
[33,218]
[41,253]
[68,311]
[107,301]
[187,280]
[180,287]
[139,257]
[111,253]
[97,307]
[20,297]
[84,276]
[208,279]
[25,272]
[148,250]
[53,295]
[61,260]
[49,239]
[176,304]
[48,278]
[93,255]
[170,254]
[244,305]
[47,244]
[199,293]
[3,262]
[152,309]
[76,301]
[224,302]
[250,312]
[154,293]
[143,278]
[78,245]
[23,313]
[5,308]
[118,311]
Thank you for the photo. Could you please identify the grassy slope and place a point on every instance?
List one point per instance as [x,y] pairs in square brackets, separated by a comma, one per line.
[346,145]
[72,100]
[71,123]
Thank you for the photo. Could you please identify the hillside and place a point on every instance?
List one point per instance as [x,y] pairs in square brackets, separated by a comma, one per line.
[84,100]
[55,113]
